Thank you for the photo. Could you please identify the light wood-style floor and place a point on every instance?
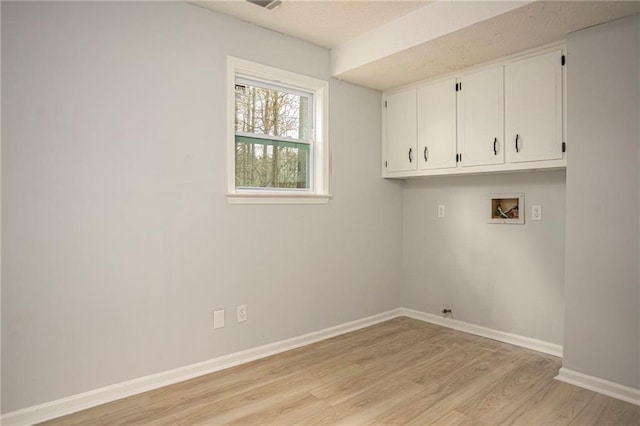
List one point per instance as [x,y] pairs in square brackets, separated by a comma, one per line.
[401,371]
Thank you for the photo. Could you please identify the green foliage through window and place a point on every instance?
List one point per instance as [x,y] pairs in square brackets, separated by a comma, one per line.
[266,163]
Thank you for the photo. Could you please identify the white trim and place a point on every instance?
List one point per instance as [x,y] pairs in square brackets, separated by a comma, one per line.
[275,198]
[268,84]
[437,19]
[273,138]
[319,155]
[74,403]
[605,387]
[532,166]
[514,339]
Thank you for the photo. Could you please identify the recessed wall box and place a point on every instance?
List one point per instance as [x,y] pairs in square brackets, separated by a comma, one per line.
[506,208]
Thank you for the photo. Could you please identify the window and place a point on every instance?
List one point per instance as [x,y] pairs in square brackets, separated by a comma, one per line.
[278,148]
[273,136]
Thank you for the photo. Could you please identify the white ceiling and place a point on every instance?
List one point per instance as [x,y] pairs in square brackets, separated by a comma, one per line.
[327,23]
[385,44]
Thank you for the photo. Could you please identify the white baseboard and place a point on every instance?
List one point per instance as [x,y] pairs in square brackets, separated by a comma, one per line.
[514,339]
[602,386]
[64,406]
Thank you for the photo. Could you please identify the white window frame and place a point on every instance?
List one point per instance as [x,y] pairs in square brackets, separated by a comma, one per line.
[318,192]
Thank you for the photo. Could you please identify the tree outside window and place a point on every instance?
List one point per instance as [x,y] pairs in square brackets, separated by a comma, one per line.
[273,143]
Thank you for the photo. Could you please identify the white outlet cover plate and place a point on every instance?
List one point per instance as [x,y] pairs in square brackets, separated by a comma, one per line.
[442,210]
[218,319]
[242,313]
[536,212]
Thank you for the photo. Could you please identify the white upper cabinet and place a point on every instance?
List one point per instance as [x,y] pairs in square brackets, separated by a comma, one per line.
[496,118]
[437,125]
[400,131]
[481,118]
[534,108]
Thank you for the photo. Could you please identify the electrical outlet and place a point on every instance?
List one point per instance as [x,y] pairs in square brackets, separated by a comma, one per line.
[218,319]
[536,212]
[242,313]
[441,211]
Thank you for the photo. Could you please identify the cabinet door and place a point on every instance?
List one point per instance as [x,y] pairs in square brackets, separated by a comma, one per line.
[400,131]
[437,125]
[481,118]
[534,108]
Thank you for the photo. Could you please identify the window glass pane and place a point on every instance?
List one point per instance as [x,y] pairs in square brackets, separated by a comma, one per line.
[265,163]
[271,112]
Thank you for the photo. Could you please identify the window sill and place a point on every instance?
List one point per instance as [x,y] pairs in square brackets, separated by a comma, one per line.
[277,198]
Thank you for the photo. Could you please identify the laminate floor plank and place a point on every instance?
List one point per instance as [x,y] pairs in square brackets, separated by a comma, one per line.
[347,386]
[494,404]
[483,368]
[226,410]
[412,356]
[405,342]
[399,372]
[286,412]
[456,418]
[605,411]
[555,404]
[444,396]
[456,358]
[364,406]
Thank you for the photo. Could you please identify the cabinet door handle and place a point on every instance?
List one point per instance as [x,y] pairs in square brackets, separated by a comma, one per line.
[517,147]
[410,152]
[495,146]
[426,154]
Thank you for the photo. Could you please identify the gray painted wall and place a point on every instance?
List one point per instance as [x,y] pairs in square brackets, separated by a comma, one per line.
[505,277]
[602,286]
[118,242]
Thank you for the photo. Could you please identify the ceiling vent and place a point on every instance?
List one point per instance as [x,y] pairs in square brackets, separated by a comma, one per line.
[267,4]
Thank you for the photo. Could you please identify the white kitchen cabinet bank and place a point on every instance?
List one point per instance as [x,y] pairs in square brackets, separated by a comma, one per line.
[499,118]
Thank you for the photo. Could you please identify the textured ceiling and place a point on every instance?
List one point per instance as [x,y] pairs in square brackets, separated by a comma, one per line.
[324,23]
[333,23]
[525,28]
